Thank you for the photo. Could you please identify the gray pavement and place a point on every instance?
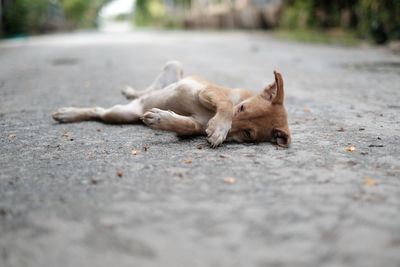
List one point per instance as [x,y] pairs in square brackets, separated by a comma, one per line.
[62,202]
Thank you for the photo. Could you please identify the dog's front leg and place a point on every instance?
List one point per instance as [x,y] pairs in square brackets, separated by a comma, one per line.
[170,121]
[216,98]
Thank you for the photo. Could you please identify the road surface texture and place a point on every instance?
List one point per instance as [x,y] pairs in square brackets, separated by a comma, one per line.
[62,202]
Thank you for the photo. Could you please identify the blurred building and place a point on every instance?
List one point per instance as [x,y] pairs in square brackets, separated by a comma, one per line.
[247,14]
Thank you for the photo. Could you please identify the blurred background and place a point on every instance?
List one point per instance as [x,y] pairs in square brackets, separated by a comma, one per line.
[75,194]
[343,21]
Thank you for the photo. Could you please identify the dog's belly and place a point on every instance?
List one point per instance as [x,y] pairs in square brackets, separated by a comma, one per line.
[182,98]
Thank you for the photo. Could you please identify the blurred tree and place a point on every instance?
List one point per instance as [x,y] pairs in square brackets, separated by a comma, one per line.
[1,18]
[75,10]
[379,19]
[148,12]
[375,19]
[33,16]
[22,16]
[318,13]
[82,13]
[162,13]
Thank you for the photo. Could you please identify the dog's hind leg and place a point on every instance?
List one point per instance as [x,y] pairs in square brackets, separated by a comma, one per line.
[117,114]
[171,73]
[170,121]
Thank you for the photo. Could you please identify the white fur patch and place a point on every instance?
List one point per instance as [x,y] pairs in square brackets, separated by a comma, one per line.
[234,97]
[191,84]
[129,92]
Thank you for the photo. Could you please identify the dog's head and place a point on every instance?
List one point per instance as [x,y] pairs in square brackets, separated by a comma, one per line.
[262,117]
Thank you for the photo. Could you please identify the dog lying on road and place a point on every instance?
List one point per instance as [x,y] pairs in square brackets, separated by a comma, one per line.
[195,106]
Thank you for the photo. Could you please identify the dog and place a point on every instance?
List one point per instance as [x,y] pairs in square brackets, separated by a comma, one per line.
[196,106]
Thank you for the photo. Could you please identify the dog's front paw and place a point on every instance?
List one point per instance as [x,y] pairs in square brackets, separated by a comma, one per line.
[154,118]
[217,131]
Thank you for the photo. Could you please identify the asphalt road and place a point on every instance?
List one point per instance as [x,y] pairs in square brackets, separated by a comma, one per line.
[62,202]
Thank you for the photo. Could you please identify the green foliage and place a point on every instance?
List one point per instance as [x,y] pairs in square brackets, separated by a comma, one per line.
[82,13]
[341,37]
[152,13]
[75,9]
[30,16]
[378,20]
[298,14]
[121,17]
[149,12]
[312,14]
[186,3]
[24,16]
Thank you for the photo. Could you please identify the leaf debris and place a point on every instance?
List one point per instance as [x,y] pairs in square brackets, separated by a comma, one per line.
[90,156]
[375,165]
[369,181]
[229,180]
[180,175]
[65,134]
[351,148]
[188,161]
[94,181]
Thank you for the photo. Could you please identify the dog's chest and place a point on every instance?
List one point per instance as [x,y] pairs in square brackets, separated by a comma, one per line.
[185,100]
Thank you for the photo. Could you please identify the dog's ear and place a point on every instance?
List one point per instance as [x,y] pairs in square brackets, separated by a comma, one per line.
[274,92]
[270,91]
[282,137]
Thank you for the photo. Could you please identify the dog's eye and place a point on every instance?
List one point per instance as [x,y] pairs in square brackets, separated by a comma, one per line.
[241,108]
[247,133]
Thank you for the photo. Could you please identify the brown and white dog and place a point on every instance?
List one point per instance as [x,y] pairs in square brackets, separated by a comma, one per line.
[195,106]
